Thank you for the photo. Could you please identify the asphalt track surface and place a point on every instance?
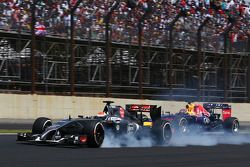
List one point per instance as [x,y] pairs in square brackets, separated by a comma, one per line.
[13,154]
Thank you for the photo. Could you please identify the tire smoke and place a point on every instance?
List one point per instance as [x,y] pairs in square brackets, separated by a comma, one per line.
[126,140]
[209,139]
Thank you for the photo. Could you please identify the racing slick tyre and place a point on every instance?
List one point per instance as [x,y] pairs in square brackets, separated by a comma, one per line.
[95,133]
[40,125]
[161,131]
[231,125]
[180,125]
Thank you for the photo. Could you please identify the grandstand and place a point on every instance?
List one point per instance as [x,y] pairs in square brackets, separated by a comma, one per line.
[177,63]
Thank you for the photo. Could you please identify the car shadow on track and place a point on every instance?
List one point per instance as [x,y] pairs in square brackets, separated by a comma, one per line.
[53,145]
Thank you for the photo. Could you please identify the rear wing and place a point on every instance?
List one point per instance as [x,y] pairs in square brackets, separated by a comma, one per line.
[155,112]
[216,106]
[140,107]
[226,109]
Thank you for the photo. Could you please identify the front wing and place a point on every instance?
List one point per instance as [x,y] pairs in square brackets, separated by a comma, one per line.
[67,139]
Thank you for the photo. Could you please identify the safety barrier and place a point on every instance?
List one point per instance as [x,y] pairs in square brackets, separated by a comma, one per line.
[14,106]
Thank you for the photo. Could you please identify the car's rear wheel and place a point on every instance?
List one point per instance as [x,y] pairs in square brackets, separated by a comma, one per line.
[40,125]
[232,125]
[162,132]
[95,133]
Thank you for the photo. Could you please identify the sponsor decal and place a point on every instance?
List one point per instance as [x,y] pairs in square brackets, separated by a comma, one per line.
[145,108]
[122,112]
[117,127]
[131,128]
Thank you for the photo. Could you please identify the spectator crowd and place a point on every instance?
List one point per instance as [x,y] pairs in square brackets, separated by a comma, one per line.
[53,18]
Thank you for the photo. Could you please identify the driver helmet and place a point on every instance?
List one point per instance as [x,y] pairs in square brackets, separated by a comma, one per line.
[101,114]
[190,108]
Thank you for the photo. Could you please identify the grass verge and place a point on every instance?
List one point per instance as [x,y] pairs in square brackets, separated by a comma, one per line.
[14,130]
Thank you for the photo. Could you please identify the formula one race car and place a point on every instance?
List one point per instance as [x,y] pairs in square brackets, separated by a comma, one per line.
[91,130]
[70,131]
[132,122]
[184,123]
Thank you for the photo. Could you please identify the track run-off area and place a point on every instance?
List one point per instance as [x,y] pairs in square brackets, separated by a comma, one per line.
[206,151]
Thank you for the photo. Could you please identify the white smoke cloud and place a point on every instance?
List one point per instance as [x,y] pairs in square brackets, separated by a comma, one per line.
[210,139]
[112,141]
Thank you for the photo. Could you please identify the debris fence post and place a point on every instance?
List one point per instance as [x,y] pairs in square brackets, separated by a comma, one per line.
[199,56]
[108,47]
[72,50]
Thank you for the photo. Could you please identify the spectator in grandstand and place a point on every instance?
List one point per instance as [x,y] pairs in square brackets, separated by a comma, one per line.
[40,29]
[89,19]
[247,11]
[2,23]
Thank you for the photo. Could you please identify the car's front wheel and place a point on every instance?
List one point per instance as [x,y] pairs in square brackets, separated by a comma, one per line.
[95,133]
[40,125]
[180,125]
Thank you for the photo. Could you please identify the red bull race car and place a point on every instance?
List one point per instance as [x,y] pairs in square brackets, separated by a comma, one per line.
[209,117]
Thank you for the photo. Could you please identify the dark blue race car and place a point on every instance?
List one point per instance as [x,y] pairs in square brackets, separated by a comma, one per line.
[220,120]
[70,131]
